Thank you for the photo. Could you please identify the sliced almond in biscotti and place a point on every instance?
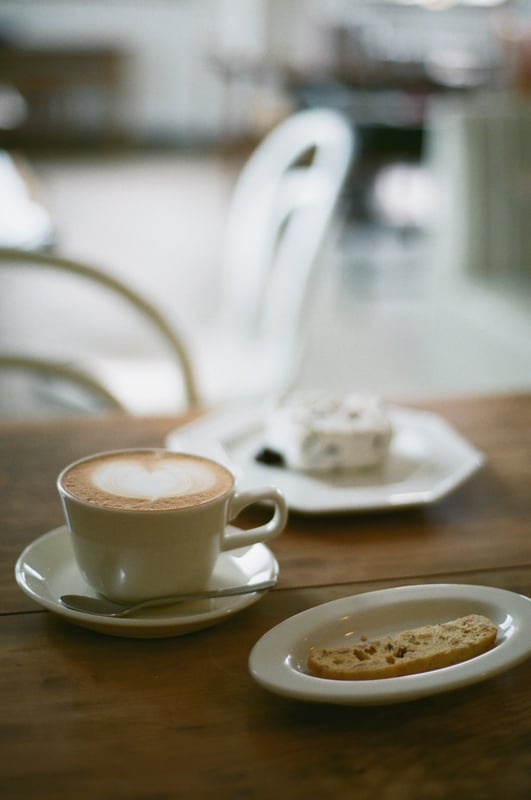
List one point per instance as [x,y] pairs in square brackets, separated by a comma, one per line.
[406,653]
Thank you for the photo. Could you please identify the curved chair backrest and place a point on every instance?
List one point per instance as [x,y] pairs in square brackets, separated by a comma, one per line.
[281,211]
[11,258]
[62,387]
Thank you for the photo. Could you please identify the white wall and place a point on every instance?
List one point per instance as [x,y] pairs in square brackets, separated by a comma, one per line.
[174,90]
[171,87]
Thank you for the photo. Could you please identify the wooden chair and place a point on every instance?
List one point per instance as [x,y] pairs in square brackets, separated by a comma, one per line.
[101,385]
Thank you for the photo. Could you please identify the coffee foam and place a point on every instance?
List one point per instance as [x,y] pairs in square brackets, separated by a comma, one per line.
[133,479]
[147,480]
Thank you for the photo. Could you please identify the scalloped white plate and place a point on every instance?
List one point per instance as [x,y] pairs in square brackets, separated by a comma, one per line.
[427,460]
[278,660]
[46,569]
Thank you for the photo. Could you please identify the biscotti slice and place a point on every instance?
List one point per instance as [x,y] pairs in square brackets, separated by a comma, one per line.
[406,653]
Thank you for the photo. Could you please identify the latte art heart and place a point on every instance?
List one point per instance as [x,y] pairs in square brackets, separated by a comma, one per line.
[151,482]
[146,480]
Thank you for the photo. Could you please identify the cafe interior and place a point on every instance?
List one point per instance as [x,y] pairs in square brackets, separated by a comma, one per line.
[208,205]
[124,128]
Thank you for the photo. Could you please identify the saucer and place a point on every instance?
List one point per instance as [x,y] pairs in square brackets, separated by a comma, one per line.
[278,660]
[47,569]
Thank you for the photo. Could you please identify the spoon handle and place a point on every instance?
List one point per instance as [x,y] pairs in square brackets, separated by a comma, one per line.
[104,607]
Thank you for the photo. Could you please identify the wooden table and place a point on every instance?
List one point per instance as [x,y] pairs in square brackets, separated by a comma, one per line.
[89,716]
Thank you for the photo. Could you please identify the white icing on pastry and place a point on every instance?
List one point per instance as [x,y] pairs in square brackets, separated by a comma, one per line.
[323,431]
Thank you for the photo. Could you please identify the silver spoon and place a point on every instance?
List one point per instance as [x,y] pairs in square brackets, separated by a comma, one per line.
[107,608]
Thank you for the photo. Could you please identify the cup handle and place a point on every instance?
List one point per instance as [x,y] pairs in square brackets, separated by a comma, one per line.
[236,537]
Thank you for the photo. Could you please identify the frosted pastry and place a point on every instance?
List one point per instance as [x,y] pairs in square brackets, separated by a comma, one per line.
[324,432]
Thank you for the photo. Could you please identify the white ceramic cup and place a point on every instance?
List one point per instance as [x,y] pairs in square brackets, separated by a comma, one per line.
[132,543]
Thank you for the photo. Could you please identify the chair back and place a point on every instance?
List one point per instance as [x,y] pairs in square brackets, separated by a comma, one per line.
[280,215]
[79,368]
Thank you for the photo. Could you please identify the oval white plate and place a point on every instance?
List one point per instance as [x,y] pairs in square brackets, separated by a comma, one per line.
[427,460]
[47,569]
[278,660]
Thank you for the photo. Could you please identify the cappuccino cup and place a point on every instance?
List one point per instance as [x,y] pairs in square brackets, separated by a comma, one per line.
[147,523]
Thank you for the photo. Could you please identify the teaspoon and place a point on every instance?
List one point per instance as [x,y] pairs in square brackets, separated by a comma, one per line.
[107,608]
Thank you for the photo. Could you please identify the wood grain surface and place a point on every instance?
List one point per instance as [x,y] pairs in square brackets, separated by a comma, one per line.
[90,716]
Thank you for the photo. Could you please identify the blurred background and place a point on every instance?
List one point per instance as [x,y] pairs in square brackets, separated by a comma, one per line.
[124,125]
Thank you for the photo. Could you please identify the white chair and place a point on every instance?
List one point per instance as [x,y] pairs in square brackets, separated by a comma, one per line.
[24,222]
[72,375]
[280,216]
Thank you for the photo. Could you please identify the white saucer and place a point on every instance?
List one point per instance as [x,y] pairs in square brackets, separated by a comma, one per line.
[427,460]
[278,660]
[47,569]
